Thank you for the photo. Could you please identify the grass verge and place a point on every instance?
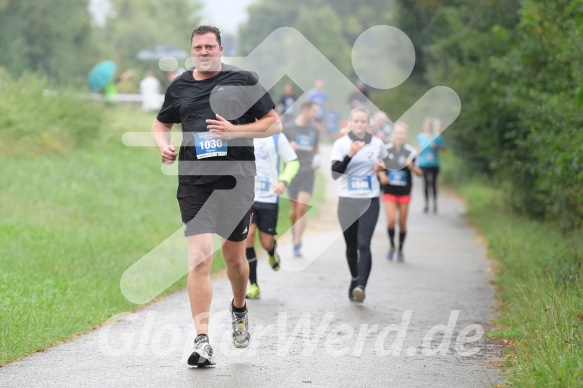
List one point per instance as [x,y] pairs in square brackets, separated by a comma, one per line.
[539,283]
[70,225]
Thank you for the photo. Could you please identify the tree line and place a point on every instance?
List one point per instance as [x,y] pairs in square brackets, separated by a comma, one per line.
[61,41]
[516,65]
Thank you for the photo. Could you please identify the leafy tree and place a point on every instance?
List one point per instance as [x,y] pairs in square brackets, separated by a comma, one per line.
[544,77]
[464,39]
[133,25]
[44,36]
[331,26]
[344,19]
[516,66]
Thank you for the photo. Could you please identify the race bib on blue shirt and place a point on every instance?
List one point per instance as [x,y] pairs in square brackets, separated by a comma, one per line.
[207,147]
[398,178]
[305,142]
[360,184]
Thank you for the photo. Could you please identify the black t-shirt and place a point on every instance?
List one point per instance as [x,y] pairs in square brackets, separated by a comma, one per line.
[307,139]
[286,102]
[400,178]
[235,95]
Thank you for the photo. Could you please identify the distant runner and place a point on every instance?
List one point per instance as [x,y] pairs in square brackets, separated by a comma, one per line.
[430,143]
[304,138]
[354,158]
[397,182]
[269,184]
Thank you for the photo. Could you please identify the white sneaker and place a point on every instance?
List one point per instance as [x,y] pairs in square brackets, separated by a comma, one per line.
[358,294]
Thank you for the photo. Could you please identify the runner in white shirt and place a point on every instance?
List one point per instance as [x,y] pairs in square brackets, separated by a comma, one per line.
[354,158]
[269,184]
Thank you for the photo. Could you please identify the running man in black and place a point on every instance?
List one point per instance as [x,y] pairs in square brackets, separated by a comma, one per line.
[397,182]
[220,108]
[354,160]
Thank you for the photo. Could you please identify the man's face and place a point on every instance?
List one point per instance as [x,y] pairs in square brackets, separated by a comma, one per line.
[206,53]
[311,113]
[400,134]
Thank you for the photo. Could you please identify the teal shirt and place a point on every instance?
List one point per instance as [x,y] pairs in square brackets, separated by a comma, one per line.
[429,157]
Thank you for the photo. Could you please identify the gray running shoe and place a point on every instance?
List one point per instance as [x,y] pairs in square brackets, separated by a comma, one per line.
[203,352]
[240,323]
[401,257]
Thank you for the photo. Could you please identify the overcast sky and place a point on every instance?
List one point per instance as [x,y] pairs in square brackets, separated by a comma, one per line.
[225,14]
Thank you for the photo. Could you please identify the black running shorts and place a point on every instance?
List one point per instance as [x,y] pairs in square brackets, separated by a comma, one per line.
[265,217]
[228,213]
[303,181]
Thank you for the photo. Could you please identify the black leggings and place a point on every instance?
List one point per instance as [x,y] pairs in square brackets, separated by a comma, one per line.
[358,218]
[430,179]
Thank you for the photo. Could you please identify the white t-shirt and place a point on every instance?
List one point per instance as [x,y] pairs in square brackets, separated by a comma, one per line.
[151,97]
[360,179]
[267,162]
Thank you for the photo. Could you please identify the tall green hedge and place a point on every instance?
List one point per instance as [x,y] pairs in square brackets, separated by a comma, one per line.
[517,66]
[545,76]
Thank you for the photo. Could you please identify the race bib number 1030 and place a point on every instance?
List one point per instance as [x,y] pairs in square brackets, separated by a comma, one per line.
[208,147]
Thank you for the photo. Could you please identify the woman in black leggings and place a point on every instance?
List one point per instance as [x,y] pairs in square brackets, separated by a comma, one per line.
[430,143]
[354,158]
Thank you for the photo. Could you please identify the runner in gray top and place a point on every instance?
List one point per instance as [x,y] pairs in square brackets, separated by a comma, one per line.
[304,138]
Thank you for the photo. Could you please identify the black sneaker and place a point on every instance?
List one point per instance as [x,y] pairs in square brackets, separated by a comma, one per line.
[203,352]
[240,324]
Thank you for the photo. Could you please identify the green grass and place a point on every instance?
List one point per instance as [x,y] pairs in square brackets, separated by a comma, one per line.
[539,282]
[71,224]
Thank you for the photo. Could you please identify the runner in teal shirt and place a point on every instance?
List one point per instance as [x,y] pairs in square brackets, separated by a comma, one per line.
[429,146]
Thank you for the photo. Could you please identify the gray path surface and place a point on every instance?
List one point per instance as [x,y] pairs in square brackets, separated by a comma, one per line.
[305,331]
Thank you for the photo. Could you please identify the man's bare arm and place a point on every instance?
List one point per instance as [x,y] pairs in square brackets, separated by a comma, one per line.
[266,126]
[161,136]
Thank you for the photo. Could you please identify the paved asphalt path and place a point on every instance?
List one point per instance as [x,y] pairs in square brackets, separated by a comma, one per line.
[420,325]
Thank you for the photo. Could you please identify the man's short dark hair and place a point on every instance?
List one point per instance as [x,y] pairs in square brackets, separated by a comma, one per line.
[307,105]
[203,30]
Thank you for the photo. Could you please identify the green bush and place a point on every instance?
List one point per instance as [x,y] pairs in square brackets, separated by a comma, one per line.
[38,121]
[545,74]
[516,67]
